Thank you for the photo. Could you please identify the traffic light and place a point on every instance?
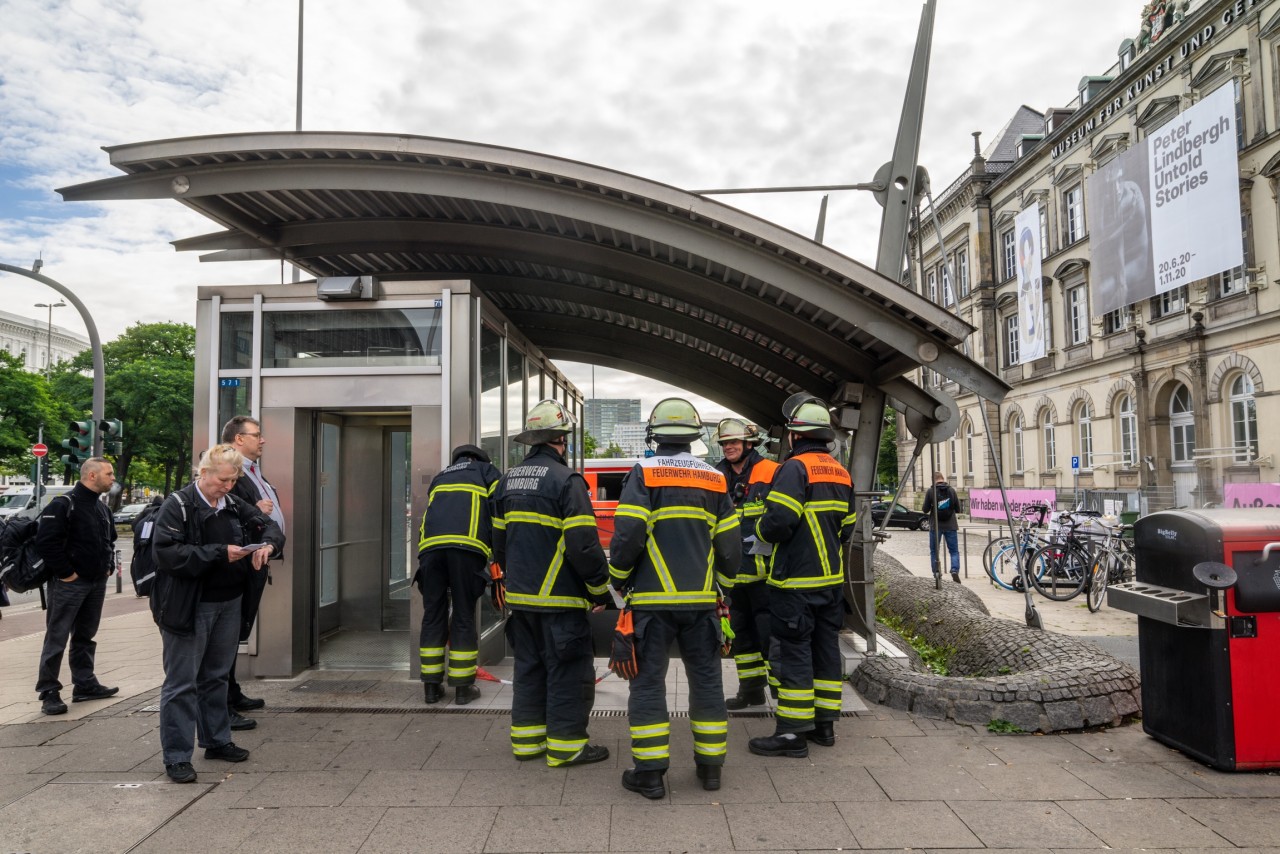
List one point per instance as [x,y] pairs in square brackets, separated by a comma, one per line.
[112,435]
[79,444]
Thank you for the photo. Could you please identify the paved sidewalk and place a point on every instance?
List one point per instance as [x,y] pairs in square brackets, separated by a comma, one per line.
[351,761]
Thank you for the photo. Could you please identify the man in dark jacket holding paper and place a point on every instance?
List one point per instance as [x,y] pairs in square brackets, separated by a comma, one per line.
[203,554]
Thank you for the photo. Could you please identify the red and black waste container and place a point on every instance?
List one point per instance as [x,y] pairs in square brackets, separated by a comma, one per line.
[1207,595]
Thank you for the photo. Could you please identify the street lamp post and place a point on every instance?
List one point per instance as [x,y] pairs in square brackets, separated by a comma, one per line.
[48,347]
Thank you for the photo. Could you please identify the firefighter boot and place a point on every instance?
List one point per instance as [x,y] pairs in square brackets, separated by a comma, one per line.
[647,783]
[465,694]
[779,744]
[744,698]
[823,732]
[710,777]
[432,692]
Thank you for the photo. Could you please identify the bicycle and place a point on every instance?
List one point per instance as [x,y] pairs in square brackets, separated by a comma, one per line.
[1067,564]
[1000,556]
[1113,563]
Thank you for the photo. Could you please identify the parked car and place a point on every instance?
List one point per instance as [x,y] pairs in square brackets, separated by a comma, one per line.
[22,500]
[126,514]
[901,516]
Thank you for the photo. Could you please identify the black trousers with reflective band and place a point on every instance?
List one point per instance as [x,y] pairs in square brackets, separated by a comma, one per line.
[444,575]
[698,636]
[554,686]
[749,618]
[249,603]
[806,627]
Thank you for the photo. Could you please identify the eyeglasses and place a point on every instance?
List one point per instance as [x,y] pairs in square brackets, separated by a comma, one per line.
[257,435]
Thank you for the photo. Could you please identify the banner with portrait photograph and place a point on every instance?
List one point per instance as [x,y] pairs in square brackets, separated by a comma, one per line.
[1026,229]
[1167,211]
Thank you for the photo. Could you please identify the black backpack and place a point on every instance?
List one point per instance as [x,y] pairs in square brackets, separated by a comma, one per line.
[944,501]
[142,569]
[21,567]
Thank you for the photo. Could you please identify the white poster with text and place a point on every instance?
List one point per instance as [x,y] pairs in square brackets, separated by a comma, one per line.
[1031,344]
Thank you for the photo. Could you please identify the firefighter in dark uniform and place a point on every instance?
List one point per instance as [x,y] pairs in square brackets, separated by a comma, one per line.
[454,551]
[748,475]
[808,514]
[675,539]
[545,539]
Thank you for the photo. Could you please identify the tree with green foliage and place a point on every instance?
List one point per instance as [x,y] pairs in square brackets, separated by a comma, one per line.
[25,404]
[887,460]
[589,445]
[150,387]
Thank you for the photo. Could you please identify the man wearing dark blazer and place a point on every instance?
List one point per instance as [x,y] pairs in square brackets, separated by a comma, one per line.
[245,434]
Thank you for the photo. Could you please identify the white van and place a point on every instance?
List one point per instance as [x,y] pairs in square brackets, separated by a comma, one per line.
[21,501]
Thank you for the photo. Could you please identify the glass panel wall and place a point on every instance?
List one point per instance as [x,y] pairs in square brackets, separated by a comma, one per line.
[408,337]
[491,393]
[515,403]
[234,398]
[235,346]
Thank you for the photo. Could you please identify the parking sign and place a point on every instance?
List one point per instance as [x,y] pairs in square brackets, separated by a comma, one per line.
[1075,463]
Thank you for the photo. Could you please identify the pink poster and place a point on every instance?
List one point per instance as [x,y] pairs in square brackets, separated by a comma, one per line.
[987,503]
[1251,495]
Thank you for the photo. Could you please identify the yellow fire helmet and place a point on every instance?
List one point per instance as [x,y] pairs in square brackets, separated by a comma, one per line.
[730,429]
[673,421]
[548,420]
[810,418]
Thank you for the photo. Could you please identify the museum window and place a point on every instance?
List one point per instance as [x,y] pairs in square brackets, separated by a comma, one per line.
[962,272]
[1182,425]
[1073,210]
[948,292]
[1077,315]
[1050,442]
[1044,231]
[955,457]
[1244,419]
[1116,321]
[1009,252]
[1170,302]
[1015,439]
[1084,423]
[968,450]
[1128,430]
[1011,340]
[931,292]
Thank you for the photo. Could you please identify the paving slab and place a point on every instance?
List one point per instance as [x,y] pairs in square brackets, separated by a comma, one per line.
[301,789]
[953,750]
[924,783]
[1227,784]
[1035,749]
[539,786]
[1144,824]
[738,785]
[378,755]
[109,730]
[1241,821]
[122,816]
[1124,744]
[431,830]
[406,789]
[1037,782]
[599,785]
[1140,780]
[333,830]
[361,727]
[758,827]
[33,734]
[204,831]
[122,756]
[652,826]
[475,755]
[907,824]
[809,783]
[14,786]
[278,756]
[1024,824]
[20,760]
[560,828]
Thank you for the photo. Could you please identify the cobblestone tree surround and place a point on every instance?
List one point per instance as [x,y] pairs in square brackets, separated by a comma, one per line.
[1001,670]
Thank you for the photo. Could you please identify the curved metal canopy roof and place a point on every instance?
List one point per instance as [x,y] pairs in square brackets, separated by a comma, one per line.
[591,264]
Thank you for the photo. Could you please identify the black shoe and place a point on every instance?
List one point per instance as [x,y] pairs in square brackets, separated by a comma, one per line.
[247,704]
[432,692]
[51,703]
[240,722]
[647,783]
[93,692]
[465,694]
[590,753]
[745,697]
[227,752]
[779,744]
[955,576]
[823,732]
[181,772]
[710,777]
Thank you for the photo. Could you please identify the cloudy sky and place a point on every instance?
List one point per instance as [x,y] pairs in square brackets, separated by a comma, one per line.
[695,94]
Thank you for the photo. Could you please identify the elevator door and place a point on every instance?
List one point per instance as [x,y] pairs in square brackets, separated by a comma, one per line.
[365,539]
